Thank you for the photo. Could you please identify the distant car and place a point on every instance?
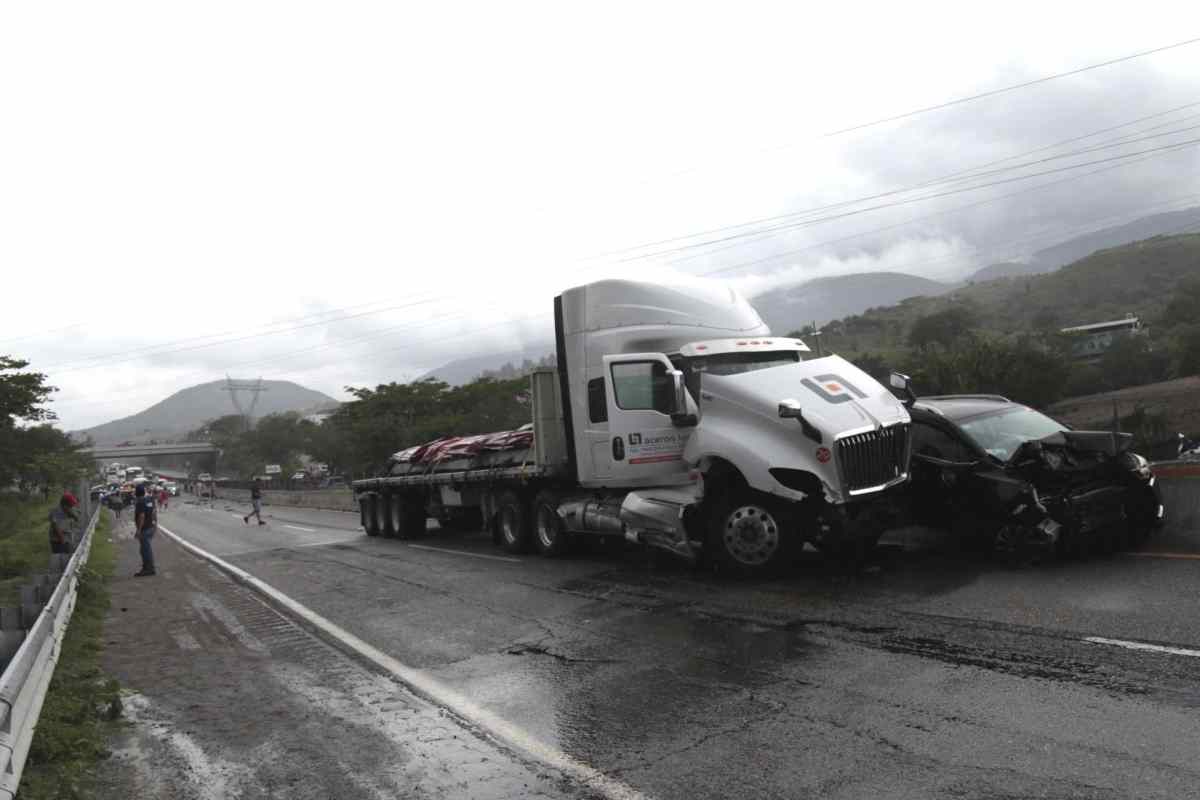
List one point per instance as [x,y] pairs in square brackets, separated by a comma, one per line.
[336,482]
[172,488]
[204,477]
[1024,482]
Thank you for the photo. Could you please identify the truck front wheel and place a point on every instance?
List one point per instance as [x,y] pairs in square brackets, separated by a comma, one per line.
[513,522]
[750,533]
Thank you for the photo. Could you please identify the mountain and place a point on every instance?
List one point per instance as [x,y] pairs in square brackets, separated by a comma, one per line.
[823,299]
[465,370]
[1138,278]
[190,408]
[1052,258]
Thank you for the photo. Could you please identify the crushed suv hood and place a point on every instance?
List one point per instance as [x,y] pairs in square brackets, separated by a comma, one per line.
[836,395]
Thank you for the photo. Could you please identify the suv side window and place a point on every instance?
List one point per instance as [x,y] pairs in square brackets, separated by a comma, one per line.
[930,440]
[597,401]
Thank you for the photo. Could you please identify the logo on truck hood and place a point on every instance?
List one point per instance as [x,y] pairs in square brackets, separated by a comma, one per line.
[833,388]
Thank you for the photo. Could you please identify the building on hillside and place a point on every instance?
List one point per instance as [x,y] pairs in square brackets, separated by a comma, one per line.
[1090,342]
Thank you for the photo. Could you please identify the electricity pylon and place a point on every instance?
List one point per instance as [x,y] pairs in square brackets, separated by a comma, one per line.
[255,388]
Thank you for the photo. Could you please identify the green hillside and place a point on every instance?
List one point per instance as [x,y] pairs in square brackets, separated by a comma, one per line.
[1138,278]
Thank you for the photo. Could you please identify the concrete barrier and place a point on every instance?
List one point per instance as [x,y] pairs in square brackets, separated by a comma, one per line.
[323,499]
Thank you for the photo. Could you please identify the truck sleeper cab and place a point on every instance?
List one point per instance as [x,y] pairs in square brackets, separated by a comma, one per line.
[675,419]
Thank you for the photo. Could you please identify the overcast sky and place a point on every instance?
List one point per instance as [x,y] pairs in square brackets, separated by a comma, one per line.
[182,186]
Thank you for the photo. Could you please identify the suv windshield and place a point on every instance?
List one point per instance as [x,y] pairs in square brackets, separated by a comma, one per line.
[1001,434]
[735,363]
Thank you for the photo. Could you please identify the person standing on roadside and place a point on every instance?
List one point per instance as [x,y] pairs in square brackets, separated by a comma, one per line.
[256,502]
[163,496]
[145,520]
[61,521]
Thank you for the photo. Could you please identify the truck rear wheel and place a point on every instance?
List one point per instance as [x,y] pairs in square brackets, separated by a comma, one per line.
[385,513]
[366,513]
[550,535]
[513,522]
[750,533]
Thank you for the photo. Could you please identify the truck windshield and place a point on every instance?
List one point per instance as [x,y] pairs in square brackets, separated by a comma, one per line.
[736,363]
[1001,434]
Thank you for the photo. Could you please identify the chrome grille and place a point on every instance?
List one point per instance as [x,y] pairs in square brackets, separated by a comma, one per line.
[873,458]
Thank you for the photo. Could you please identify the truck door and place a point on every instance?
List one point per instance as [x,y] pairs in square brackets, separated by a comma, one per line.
[645,448]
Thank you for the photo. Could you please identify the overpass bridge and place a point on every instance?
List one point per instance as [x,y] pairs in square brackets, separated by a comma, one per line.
[188,456]
[121,452]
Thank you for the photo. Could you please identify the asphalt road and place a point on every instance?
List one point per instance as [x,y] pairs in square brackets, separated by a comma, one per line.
[930,674]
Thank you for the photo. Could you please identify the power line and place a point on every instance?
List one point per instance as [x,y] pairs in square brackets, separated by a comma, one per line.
[866,198]
[1011,88]
[856,212]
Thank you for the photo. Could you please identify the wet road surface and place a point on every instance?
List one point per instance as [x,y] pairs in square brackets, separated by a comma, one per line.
[227,699]
[930,674]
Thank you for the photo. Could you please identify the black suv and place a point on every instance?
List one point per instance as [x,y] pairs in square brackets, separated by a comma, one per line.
[1027,484]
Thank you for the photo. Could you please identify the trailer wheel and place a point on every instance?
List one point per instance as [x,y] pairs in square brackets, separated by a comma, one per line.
[366,513]
[550,535]
[750,533]
[383,514]
[513,522]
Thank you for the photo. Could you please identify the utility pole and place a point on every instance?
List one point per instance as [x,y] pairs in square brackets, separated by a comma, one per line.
[255,388]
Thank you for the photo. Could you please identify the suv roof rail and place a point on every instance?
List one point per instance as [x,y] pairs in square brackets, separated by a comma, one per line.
[997,397]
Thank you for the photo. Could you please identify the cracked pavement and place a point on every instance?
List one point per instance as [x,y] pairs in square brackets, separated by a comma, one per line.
[933,674]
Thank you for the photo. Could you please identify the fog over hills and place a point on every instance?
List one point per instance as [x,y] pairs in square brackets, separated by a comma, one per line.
[190,408]
[1059,255]
[787,308]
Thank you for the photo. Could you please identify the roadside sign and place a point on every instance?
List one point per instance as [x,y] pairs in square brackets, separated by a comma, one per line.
[273,469]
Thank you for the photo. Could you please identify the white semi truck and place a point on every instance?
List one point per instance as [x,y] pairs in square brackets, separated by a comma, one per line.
[675,419]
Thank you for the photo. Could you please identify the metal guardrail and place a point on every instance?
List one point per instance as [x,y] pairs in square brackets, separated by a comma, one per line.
[25,680]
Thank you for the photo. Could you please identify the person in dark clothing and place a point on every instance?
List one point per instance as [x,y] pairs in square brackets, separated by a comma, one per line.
[61,520]
[256,502]
[145,520]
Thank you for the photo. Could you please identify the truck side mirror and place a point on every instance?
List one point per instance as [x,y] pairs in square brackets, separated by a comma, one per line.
[791,409]
[898,380]
[680,392]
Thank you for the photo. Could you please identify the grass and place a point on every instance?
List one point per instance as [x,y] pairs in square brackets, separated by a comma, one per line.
[24,543]
[76,718]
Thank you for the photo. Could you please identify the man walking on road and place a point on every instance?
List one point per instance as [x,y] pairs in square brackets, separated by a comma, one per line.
[145,520]
[256,502]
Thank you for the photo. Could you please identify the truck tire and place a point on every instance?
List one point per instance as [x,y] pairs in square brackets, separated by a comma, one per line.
[750,533]
[384,513]
[366,513]
[550,535]
[513,522]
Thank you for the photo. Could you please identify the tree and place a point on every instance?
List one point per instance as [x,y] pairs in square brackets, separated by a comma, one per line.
[1021,369]
[1133,361]
[37,454]
[1184,306]
[943,328]
[1185,352]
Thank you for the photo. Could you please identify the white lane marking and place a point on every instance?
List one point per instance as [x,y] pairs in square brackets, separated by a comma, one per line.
[1153,648]
[424,684]
[238,516]
[464,553]
[298,528]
